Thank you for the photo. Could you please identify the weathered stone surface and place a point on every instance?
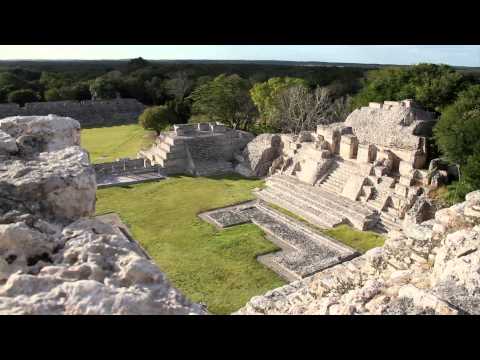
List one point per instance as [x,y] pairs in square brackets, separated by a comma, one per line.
[418,271]
[35,134]
[54,260]
[7,143]
[259,155]
[353,187]
[422,210]
[396,125]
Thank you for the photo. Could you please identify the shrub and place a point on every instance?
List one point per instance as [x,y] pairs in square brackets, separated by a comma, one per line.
[157,118]
[22,96]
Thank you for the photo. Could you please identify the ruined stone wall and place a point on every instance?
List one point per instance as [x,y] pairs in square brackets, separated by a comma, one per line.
[88,113]
[396,125]
[428,268]
[122,166]
[55,258]
[216,147]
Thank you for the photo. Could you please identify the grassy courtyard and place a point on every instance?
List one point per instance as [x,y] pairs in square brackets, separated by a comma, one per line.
[110,143]
[218,268]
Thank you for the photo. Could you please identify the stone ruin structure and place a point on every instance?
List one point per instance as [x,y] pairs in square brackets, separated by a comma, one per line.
[368,171]
[197,149]
[55,257]
[428,268]
[88,113]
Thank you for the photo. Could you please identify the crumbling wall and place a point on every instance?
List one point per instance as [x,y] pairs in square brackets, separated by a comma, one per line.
[55,258]
[88,113]
[428,268]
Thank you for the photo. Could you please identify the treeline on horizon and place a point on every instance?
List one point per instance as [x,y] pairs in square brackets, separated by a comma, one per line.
[265,97]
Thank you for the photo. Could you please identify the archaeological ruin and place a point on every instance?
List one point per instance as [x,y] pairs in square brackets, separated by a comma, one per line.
[371,172]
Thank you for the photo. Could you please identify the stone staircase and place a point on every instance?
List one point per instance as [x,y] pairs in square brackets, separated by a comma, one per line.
[338,175]
[315,204]
[169,152]
[213,168]
[388,219]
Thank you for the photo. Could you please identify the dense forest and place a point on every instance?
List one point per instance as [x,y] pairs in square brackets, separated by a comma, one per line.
[266,96]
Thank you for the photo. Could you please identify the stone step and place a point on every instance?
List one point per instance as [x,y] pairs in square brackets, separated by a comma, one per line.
[170,140]
[319,219]
[325,196]
[331,188]
[324,205]
[333,181]
[170,154]
[178,148]
[305,203]
[390,225]
[171,162]
[339,174]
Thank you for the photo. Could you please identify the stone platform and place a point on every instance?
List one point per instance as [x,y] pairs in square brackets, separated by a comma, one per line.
[128,179]
[304,252]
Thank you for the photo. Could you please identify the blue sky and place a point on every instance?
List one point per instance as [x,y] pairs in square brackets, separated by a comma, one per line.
[466,55]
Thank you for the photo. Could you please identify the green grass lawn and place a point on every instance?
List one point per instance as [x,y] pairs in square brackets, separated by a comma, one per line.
[359,240]
[356,239]
[110,143]
[217,267]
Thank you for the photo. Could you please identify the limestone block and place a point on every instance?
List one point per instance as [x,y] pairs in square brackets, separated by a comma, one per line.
[405,181]
[375,105]
[366,153]
[348,146]
[418,159]
[311,170]
[392,103]
[401,190]
[405,168]
[353,187]
[397,201]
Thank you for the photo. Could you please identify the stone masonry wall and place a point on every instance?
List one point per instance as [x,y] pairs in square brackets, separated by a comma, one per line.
[88,113]
[222,146]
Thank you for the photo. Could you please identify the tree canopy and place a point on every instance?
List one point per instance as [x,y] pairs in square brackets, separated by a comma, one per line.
[157,118]
[457,135]
[432,86]
[225,99]
[22,96]
[265,96]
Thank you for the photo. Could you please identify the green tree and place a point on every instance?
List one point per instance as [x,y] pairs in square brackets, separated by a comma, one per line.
[104,88]
[432,86]
[265,96]
[155,89]
[22,96]
[457,132]
[52,95]
[136,64]
[225,99]
[457,135]
[157,118]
